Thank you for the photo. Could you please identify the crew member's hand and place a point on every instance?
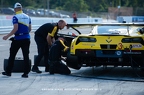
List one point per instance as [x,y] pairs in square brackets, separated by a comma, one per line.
[5,37]
[63,58]
[67,48]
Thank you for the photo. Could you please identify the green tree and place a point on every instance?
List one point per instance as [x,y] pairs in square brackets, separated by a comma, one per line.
[76,5]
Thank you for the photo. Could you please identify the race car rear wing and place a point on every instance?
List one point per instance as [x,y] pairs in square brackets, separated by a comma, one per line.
[104,24]
[73,25]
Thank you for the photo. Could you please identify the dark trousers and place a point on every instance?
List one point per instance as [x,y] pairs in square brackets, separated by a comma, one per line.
[15,46]
[59,67]
[74,19]
[43,51]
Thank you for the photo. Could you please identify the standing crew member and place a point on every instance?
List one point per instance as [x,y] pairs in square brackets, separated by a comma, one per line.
[55,57]
[74,17]
[44,37]
[21,29]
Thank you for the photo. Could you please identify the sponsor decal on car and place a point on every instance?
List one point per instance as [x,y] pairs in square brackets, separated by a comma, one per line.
[108,40]
[120,46]
[89,44]
[136,46]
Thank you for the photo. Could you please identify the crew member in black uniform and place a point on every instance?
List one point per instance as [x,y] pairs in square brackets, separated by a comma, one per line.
[55,57]
[44,37]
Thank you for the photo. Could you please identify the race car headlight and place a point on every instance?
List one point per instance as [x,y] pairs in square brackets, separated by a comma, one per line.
[132,40]
[85,39]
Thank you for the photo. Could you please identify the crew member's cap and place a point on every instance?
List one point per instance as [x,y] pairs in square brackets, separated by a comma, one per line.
[17,5]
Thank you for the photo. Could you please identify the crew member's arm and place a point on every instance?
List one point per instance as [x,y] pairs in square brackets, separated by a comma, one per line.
[65,48]
[50,36]
[30,25]
[15,28]
[63,58]
[49,39]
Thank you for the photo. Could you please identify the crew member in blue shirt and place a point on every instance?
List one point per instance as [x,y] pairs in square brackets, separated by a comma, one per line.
[21,39]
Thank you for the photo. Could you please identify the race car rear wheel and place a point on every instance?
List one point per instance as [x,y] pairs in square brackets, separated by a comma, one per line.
[72,61]
[138,62]
[142,65]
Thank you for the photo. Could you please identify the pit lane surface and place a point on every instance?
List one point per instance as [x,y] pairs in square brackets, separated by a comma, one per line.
[86,81]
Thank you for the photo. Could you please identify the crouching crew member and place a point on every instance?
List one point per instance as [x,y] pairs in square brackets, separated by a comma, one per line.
[55,57]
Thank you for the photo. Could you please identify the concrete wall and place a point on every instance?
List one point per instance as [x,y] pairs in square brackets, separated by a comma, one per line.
[7,20]
[130,19]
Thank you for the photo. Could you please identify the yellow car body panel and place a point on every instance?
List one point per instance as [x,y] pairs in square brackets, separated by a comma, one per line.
[110,45]
[105,40]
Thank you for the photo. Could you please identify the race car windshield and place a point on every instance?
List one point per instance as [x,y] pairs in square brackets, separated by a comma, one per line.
[115,30]
[112,30]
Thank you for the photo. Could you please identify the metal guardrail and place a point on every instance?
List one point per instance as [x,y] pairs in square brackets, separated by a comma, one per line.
[6,25]
[7,29]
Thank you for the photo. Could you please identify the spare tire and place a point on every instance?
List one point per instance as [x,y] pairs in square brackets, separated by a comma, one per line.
[41,64]
[18,64]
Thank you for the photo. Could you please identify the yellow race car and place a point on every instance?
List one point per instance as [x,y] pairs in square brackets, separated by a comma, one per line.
[116,44]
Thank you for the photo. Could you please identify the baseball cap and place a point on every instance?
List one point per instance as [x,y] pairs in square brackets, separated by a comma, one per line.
[17,5]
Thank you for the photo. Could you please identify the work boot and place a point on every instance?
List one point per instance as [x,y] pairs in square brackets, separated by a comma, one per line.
[7,74]
[25,75]
[46,69]
[51,68]
[51,71]
[36,70]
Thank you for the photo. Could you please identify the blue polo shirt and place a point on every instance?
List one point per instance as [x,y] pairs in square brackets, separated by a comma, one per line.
[23,22]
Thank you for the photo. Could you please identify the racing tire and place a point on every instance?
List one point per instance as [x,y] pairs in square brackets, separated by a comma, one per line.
[72,61]
[142,65]
[41,64]
[138,63]
[142,68]
[18,65]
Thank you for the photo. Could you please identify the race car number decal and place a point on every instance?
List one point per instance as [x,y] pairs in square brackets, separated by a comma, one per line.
[137,46]
[120,46]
